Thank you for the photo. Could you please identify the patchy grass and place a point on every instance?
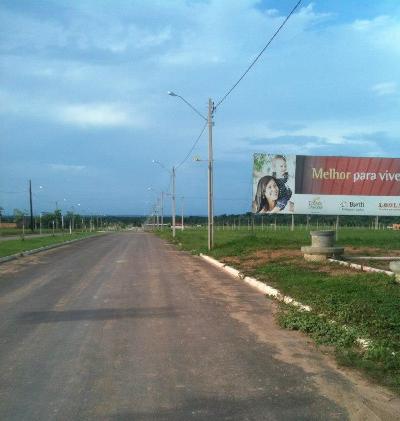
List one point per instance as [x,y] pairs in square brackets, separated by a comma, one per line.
[10,247]
[11,232]
[346,304]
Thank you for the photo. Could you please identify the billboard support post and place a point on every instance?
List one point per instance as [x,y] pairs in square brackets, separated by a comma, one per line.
[337,227]
[377,222]
[292,228]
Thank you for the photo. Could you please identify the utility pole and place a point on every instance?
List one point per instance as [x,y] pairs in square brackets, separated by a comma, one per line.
[55,214]
[173,202]
[162,210]
[210,176]
[182,216]
[30,202]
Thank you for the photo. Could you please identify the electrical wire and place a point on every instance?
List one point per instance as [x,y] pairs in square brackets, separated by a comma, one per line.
[259,55]
[192,148]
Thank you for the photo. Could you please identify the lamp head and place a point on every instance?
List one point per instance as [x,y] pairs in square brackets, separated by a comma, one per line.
[170,93]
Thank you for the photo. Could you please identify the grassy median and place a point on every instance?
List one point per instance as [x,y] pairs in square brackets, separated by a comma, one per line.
[9,247]
[346,304]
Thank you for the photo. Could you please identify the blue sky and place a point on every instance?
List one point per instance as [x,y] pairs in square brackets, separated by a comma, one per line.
[84,107]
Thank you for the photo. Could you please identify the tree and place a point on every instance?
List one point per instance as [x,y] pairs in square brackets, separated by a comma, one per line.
[18,215]
[57,217]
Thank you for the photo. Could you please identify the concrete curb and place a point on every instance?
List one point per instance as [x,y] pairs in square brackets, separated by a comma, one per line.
[38,250]
[270,291]
[260,286]
[361,267]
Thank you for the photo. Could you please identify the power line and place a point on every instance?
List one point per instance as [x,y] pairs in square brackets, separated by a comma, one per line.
[259,55]
[194,145]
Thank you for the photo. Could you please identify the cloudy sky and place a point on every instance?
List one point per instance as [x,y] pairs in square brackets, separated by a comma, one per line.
[84,107]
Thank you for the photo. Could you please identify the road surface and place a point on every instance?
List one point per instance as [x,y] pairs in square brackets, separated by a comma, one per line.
[125,327]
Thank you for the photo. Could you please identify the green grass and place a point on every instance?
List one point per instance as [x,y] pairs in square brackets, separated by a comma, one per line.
[236,242]
[9,247]
[11,232]
[346,304]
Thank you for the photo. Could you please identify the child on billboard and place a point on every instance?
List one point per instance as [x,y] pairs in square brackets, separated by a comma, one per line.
[273,195]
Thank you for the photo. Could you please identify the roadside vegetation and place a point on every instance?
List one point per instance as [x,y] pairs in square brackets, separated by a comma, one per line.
[18,232]
[346,304]
[9,247]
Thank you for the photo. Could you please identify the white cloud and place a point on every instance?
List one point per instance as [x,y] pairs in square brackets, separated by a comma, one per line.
[83,32]
[385,88]
[98,115]
[67,168]
[87,115]
[382,31]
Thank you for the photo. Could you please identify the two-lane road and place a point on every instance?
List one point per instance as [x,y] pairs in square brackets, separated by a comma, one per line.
[126,327]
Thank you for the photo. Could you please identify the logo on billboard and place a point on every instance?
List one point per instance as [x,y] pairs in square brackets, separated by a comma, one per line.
[315,204]
[351,205]
[389,206]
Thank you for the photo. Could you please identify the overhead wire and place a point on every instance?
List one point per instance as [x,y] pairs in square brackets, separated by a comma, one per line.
[193,146]
[258,56]
[188,154]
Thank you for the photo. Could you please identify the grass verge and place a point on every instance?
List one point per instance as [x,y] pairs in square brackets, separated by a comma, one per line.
[10,247]
[346,304]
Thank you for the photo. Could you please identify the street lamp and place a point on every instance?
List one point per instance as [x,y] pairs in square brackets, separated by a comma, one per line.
[182,224]
[209,119]
[162,204]
[172,173]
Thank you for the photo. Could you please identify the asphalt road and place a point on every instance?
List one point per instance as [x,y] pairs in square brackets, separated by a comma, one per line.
[125,327]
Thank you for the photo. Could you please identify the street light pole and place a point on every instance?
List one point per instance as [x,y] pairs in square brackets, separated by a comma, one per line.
[30,204]
[182,223]
[210,123]
[173,202]
[210,176]
[173,173]
[162,210]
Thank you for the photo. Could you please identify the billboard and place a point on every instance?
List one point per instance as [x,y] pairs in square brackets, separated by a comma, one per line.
[326,185]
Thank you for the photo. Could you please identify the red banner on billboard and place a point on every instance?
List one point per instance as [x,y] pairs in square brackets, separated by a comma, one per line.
[331,175]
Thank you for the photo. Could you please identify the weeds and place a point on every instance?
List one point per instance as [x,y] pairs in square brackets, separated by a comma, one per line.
[346,304]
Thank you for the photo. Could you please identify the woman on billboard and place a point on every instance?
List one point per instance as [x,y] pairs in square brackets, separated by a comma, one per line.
[271,196]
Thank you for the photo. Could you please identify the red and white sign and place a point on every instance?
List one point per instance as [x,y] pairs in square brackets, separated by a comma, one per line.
[333,185]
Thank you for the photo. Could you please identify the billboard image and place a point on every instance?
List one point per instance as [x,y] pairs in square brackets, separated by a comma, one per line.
[326,185]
